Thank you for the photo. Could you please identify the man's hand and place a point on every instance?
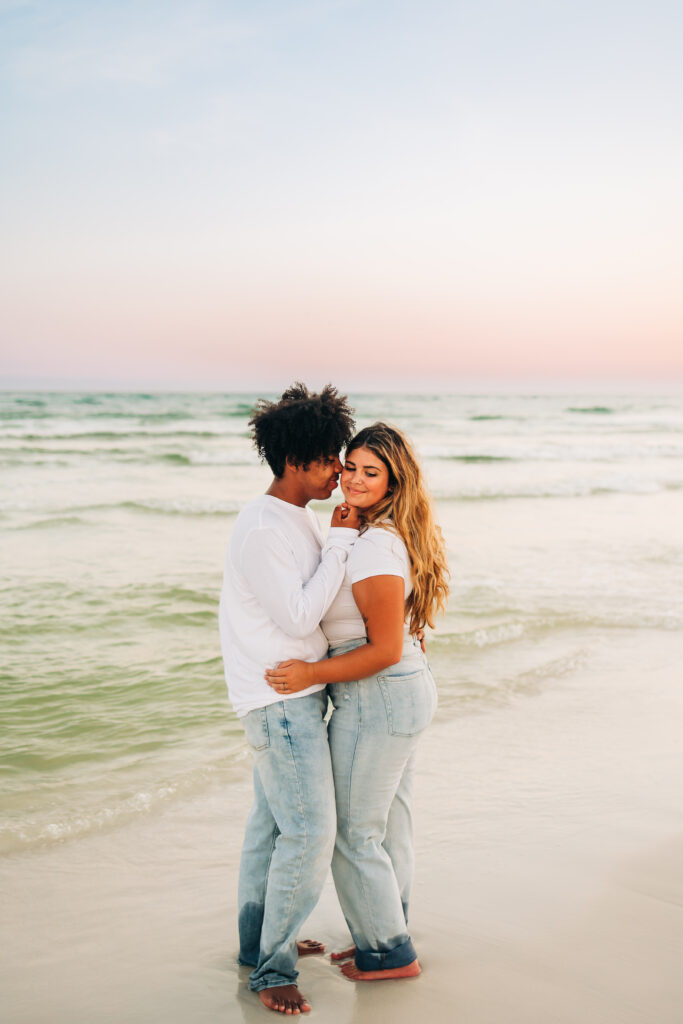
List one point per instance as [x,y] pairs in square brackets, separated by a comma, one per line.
[420,636]
[346,515]
[291,676]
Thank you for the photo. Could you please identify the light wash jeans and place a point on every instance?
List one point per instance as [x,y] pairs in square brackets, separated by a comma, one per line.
[289,835]
[373,733]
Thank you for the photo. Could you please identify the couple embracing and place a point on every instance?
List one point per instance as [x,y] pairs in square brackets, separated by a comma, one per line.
[304,619]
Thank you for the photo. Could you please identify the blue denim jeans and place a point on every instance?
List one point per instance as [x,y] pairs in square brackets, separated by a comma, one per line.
[289,835]
[373,733]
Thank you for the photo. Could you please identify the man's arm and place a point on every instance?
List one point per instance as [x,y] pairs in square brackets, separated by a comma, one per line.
[269,566]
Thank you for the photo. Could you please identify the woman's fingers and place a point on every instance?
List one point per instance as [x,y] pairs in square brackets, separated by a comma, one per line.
[281,672]
[280,687]
[289,676]
[278,678]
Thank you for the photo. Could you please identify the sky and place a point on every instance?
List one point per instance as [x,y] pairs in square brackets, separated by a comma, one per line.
[227,194]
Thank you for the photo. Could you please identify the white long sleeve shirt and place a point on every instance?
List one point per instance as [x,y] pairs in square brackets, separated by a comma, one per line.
[280,579]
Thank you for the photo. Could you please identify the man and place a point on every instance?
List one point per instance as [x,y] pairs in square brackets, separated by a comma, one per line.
[280,579]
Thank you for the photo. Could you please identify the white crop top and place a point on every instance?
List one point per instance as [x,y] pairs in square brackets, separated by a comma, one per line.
[377,552]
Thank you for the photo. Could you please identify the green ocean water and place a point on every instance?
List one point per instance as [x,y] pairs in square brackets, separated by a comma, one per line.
[562,515]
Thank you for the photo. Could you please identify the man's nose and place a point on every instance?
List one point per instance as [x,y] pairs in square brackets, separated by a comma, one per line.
[338,466]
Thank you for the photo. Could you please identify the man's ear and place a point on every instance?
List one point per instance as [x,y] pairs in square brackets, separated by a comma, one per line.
[291,467]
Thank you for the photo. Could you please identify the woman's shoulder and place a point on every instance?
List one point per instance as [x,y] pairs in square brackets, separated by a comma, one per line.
[380,538]
[382,532]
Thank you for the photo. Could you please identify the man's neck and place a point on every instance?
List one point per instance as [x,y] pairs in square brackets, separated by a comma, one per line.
[288,490]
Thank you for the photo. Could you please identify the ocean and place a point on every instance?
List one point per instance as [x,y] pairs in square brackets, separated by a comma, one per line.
[563,515]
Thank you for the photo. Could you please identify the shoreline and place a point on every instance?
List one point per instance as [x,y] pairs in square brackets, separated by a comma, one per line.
[548,880]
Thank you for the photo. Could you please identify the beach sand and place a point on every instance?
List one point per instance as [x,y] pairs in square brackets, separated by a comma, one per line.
[549,881]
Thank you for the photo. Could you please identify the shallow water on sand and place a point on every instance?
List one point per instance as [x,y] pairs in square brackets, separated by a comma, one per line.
[548,882]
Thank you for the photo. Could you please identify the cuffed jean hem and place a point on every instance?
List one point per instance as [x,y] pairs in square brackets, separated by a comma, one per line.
[272,981]
[399,956]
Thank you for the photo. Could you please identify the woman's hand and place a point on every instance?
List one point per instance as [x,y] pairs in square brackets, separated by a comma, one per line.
[291,676]
[346,515]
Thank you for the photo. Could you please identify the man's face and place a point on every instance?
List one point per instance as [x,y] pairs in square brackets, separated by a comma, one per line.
[321,477]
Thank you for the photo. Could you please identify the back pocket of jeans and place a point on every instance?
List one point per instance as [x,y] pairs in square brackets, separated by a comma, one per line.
[256,729]
[410,701]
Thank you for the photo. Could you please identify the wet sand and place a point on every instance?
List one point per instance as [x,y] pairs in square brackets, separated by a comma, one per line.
[549,881]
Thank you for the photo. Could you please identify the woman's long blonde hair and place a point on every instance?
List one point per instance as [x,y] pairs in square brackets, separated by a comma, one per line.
[408,505]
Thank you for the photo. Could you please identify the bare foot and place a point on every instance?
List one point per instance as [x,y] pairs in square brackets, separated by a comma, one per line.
[284,999]
[310,947]
[345,954]
[409,971]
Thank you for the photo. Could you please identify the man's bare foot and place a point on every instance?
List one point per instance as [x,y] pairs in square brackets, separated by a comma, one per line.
[284,999]
[345,954]
[310,947]
[409,971]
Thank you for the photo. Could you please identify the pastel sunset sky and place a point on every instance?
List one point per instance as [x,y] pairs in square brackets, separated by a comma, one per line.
[234,193]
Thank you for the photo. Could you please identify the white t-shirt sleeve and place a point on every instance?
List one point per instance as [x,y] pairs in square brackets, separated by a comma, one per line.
[268,563]
[379,552]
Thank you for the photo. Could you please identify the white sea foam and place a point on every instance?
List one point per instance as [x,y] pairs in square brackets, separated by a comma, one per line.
[47,826]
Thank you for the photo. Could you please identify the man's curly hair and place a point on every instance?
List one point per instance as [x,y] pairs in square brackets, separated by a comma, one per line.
[301,427]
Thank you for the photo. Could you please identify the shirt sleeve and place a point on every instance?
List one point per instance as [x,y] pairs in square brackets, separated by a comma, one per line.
[269,566]
[379,552]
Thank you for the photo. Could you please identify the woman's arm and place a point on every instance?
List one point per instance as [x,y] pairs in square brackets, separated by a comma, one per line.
[381,602]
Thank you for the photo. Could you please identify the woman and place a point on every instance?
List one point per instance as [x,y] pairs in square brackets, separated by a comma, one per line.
[383,694]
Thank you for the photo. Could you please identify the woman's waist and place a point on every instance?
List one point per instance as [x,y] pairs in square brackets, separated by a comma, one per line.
[411,647]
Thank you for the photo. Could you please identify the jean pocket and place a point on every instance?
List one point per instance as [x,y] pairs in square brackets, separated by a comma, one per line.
[410,701]
[256,729]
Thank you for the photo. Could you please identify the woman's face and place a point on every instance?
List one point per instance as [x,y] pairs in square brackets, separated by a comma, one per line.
[364,478]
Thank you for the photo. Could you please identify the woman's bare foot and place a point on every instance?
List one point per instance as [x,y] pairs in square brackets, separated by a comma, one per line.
[345,954]
[310,947]
[409,971]
[284,999]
